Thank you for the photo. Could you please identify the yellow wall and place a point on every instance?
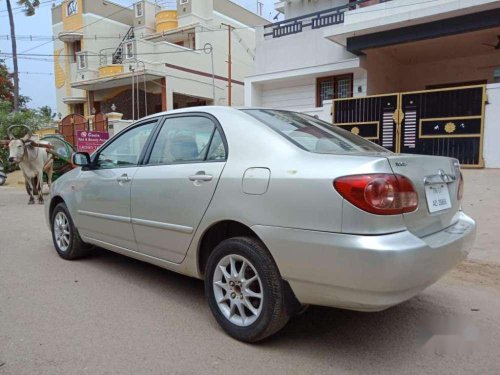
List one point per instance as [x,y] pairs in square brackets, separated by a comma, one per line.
[166,20]
[59,74]
[110,70]
[75,21]
[46,131]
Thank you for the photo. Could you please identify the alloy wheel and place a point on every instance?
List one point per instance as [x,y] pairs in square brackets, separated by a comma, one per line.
[238,290]
[62,232]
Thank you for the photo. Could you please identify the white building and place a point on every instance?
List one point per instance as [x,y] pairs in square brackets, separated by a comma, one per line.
[145,59]
[337,49]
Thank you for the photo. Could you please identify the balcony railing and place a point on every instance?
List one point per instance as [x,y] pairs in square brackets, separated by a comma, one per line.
[328,17]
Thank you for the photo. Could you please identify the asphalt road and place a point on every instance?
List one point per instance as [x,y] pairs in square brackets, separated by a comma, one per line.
[108,314]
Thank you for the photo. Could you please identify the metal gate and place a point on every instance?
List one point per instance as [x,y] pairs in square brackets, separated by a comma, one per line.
[100,122]
[70,124]
[446,122]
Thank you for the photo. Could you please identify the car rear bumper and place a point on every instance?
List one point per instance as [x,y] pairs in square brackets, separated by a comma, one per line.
[367,273]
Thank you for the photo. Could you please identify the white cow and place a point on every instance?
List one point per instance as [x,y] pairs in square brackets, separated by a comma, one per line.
[33,161]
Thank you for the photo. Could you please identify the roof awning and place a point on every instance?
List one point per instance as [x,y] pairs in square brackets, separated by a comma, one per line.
[117,80]
[358,34]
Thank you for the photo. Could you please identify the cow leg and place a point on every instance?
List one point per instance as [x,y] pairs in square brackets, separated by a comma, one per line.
[29,191]
[39,187]
[49,169]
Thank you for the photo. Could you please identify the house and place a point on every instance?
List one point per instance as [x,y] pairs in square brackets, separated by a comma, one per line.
[144,59]
[415,76]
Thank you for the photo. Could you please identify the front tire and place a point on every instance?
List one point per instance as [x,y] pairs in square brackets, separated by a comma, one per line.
[67,241]
[244,289]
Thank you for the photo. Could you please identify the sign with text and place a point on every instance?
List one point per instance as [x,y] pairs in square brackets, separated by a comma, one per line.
[90,141]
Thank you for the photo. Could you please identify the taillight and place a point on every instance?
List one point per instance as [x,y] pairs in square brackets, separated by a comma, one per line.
[460,191]
[381,194]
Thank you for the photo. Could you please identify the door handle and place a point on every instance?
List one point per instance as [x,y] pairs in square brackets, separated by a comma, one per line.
[123,178]
[201,176]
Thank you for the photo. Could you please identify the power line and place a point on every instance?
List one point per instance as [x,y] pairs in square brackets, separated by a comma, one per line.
[7,54]
[83,27]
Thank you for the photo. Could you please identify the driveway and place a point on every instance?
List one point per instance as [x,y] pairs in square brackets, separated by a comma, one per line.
[108,314]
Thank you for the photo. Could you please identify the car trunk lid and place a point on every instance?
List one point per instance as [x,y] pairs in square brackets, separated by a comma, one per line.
[436,181]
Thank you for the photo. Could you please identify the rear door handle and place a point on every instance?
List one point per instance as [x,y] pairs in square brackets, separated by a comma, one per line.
[201,176]
[123,178]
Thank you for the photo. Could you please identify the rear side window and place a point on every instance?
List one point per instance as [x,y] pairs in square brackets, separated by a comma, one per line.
[187,139]
[312,134]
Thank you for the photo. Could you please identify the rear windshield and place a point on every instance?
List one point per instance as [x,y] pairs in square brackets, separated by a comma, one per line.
[312,134]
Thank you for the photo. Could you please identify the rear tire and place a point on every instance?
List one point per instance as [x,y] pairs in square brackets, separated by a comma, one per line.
[244,289]
[67,241]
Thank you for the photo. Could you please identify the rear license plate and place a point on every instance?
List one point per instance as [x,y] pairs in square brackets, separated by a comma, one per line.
[438,197]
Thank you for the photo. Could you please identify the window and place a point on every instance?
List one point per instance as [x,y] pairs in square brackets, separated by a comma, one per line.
[139,10]
[72,7]
[125,150]
[129,50]
[312,134]
[81,61]
[333,87]
[188,139]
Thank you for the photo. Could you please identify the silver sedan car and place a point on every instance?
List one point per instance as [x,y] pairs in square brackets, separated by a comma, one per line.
[275,210]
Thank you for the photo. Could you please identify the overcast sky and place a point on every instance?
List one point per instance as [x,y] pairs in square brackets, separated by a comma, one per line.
[40,87]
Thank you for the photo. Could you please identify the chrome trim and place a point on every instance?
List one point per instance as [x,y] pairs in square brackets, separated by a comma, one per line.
[160,225]
[439,178]
[121,219]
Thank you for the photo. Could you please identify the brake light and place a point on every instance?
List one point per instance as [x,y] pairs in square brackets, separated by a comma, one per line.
[460,191]
[381,193]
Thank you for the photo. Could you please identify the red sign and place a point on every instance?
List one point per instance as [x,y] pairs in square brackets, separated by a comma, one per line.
[90,141]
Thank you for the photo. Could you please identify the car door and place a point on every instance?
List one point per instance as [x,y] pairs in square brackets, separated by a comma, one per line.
[103,194]
[172,190]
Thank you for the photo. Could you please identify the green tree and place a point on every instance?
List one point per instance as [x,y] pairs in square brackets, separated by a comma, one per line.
[29,9]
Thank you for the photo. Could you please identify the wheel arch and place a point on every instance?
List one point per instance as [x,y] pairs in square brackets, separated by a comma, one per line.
[53,203]
[215,234]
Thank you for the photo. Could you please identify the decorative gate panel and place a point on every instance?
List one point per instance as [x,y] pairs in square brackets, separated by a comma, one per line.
[371,117]
[70,124]
[445,122]
[100,123]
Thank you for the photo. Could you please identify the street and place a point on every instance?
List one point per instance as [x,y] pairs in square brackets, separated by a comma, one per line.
[108,314]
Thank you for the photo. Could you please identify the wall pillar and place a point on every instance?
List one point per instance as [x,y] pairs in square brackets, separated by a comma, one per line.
[163,82]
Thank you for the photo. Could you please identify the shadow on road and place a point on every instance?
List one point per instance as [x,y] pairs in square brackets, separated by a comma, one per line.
[382,337]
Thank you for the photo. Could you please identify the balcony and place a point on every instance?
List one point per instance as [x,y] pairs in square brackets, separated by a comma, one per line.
[317,20]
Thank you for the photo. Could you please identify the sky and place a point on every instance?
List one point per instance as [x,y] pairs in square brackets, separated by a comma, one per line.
[36,77]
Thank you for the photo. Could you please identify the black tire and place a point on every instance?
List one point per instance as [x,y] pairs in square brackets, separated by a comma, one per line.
[273,315]
[76,247]
[2,181]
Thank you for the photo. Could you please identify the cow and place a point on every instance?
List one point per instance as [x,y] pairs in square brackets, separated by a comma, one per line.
[33,161]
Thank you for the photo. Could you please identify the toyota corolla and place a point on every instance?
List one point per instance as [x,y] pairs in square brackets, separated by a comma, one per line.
[274,210]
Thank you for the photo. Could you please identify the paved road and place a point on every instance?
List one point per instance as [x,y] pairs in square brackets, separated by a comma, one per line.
[108,314]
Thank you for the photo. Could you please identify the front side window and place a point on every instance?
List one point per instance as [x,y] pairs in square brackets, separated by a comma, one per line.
[72,7]
[312,134]
[138,10]
[129,50]
[125,150]
[333,87]
[82,61]
[187,139]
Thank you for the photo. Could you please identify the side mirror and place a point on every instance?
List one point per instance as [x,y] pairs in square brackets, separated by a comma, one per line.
[81,159]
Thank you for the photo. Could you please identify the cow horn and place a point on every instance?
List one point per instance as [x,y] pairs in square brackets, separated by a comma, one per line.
[26,137]
[28,134]
[9,132]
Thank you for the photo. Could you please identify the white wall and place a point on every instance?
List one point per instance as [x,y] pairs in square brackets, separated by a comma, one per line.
[491,143]
[306,49]
[297,8]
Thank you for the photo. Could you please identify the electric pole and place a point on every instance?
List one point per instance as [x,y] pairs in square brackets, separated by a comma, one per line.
[14,57]
[229,65]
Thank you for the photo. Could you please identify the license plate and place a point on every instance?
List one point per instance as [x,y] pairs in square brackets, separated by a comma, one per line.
[438,197]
